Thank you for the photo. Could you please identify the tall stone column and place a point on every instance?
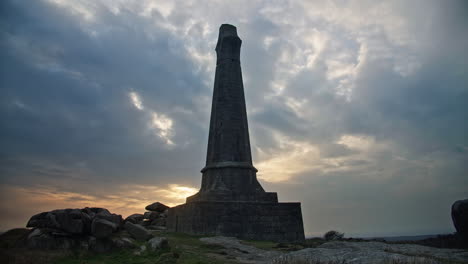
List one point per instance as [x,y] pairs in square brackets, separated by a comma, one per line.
[229,173]
[231,201]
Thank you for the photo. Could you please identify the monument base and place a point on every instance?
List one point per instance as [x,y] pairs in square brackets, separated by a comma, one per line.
[280,222]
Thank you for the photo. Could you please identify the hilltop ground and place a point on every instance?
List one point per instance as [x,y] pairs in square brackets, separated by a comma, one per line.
[187,249]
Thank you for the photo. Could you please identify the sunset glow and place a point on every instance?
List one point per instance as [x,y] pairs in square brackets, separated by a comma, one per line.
[124,200]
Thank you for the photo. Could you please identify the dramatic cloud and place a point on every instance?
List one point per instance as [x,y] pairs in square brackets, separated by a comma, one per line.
[356,108]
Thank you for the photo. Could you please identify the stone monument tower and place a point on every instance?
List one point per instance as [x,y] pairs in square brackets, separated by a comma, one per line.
[231,201]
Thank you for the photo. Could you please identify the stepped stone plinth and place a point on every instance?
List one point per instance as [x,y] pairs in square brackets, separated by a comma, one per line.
[231,201]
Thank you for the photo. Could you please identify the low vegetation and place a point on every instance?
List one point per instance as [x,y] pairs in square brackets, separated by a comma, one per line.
[183,249]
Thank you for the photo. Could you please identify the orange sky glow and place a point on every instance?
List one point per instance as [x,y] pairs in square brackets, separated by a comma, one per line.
[23,202]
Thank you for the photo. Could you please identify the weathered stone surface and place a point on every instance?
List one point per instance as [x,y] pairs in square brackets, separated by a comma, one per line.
[146,215]
[157,207]
[145,223]
[153,215]
[229,174]
[137,231]
[88,228]
[101,228]
[241,252]
[164,214]
[114,218]
[123,242]
[92,211]
[135,218]
[280,222]
[158,243]
[153,227]
[100,245]
[46,238]
[460,218]
[371,253]
[159,222]
[69,220]
[73,221]
[44,219]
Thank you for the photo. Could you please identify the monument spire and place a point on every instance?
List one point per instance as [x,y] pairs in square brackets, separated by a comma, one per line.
[231,201]
[229,173]
[228,139]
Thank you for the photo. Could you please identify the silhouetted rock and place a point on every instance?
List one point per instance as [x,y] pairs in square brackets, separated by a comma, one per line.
[46,238]
[92,228]
[92,211]
[102,228]
[73,221]
[100,245]
[157,207]
[159,222]
[135,218]
[146,215]
[145,222]
[137,231]
[460,218]
[152,215]
[114,218]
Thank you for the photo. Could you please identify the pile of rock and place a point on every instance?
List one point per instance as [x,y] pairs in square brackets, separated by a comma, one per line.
[154,218]
[87,228]
[98,222]
[94,229]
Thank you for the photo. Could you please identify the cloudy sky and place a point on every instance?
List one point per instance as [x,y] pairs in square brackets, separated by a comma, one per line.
[357,109]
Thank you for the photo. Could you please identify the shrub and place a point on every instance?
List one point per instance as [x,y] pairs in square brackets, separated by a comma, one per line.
[333,235]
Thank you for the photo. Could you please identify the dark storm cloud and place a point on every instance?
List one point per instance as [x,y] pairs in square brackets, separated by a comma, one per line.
[65,93]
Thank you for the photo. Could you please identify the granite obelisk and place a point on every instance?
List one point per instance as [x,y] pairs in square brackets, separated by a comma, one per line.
[229,173]
[231,201]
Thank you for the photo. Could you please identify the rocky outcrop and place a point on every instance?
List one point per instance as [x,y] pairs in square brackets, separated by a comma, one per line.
[338,252]
[46,238]
[74,221]
[101,228]
[460,218]
[155,218]
[88,228]
[372,253]
[137,231]
[94,229]
[135,218]
[157,207]
[123,242]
